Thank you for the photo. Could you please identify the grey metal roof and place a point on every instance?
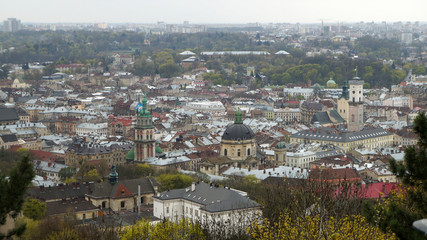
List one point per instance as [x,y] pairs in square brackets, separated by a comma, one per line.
[338,135]
[9,138]
[321,117]
[213,199]
[8,114]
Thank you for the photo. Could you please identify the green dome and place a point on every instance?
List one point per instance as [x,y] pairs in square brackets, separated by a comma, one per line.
[158,149]
[130,155]
[331,82]
[280,145]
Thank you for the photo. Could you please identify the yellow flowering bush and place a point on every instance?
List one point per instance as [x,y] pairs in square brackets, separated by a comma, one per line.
[165,230]
[317,227]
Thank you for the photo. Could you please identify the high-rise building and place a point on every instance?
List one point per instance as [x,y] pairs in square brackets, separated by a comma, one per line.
[144,142]
[406,37]
[11,25]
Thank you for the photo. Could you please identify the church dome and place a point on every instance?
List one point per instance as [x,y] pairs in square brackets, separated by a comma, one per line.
[331,82]
[158,149]
[130,155]
[238,130]
[280,145]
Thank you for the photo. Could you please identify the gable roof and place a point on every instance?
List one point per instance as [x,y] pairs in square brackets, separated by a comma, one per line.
[122,192]
[130,188]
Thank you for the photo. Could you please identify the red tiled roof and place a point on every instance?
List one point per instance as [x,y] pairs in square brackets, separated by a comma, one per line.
[43,155]
[380,189]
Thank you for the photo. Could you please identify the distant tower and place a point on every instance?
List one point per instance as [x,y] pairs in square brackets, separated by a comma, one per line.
[144,142]
[350,104]
[342,103]
[356,90]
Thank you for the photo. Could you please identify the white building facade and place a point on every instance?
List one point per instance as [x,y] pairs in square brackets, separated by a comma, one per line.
[91,128]
[207,204]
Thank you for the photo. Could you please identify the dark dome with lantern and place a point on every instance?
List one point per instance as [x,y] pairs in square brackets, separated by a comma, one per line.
[238,130]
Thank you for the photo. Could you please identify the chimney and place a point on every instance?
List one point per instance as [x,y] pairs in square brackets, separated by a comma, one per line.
[193,186]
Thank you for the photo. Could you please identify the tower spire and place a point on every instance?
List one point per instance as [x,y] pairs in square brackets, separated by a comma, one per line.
[238,117]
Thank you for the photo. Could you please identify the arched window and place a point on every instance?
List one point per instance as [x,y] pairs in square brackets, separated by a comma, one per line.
[225,152]
[238,152]
[249,151]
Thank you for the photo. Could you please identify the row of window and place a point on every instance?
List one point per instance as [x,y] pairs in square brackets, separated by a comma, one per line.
[238,152]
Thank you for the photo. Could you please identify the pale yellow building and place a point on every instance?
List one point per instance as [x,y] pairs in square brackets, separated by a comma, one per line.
[369,138]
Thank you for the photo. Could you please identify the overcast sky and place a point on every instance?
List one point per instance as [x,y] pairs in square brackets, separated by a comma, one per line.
[214,11]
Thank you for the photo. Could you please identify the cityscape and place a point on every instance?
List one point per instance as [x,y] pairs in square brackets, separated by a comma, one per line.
[192,130]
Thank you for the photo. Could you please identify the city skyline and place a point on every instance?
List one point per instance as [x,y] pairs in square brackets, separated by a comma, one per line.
[221,11]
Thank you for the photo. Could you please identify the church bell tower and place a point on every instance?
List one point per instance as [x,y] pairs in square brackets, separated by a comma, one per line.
[144,142]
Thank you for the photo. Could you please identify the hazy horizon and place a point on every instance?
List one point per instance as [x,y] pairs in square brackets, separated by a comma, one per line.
[214,12]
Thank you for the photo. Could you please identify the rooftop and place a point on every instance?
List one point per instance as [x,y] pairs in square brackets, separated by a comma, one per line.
[213,198]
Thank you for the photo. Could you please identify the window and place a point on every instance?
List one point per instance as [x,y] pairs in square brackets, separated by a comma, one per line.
[196,212]
[186,210]
[238,152]
[225,152]
[191,211]
[167,209]
[103,204]
[84,216]
[122,204]
[249,151]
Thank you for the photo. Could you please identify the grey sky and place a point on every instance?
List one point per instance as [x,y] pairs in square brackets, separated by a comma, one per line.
[213,11]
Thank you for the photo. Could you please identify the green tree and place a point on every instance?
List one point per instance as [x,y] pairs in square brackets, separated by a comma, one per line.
[4,71]
[366,85]
[174,181]
[420,70]
[91,176]
[134,171]
[12,190]
[169,69]
[34,209]
[408,204]
[66,172]
[413,170]
[300,97]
